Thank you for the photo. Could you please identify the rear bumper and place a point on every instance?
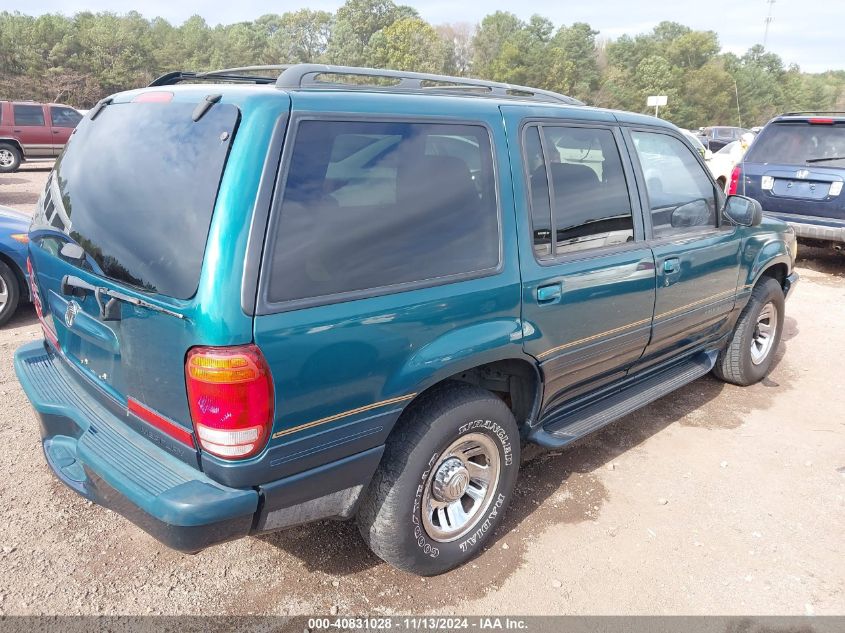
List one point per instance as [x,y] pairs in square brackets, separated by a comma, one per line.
[95,453]
[811,227]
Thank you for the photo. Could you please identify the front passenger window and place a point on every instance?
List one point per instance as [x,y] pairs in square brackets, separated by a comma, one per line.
[681,196]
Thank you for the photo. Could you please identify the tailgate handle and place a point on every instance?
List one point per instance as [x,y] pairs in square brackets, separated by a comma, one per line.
[76,287]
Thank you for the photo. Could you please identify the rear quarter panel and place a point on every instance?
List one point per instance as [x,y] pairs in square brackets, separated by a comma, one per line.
[344,372]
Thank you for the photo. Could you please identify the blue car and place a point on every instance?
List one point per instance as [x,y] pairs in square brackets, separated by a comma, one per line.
[13,243]
[796,170]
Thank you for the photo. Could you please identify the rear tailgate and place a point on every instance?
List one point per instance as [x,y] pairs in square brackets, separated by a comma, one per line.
[798,167]
[117,246]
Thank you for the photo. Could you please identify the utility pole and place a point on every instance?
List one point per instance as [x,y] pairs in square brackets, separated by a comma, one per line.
[768,21]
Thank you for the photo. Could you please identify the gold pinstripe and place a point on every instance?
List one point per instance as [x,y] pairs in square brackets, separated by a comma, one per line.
[695,303]
[591,338]
[345,414]
[637,323]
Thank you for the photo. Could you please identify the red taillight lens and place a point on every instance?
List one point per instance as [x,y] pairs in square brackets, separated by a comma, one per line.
[49,334]
[821,121]
[230,393]
[734,184]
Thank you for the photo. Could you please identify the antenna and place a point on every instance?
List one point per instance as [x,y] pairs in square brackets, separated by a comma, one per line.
[768,21]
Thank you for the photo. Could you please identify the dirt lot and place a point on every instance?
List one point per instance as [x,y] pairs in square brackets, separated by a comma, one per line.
[714,499]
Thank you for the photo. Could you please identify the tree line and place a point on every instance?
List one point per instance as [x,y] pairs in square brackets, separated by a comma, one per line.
[80,59]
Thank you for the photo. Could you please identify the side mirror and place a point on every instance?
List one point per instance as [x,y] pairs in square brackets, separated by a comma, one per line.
[708,154]
[743,211]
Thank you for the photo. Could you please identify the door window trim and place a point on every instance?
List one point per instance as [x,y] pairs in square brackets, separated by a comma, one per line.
[266,307]
[630,183]
[721,225]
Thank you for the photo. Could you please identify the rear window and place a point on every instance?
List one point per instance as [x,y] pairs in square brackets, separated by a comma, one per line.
[800,144]
[138,186]
[369,205]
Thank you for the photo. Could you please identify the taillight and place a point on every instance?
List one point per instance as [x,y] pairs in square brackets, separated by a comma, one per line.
[820,121]
[230,393]
[49,334]
[734,184]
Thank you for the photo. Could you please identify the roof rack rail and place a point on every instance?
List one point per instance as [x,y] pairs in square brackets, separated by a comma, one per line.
[294,76]
[806,112]
[225,74]
[305,76]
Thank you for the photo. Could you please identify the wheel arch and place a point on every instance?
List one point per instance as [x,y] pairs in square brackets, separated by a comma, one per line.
[16,143]
[502,369]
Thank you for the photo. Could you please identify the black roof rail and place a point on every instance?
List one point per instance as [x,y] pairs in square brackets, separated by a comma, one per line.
[226,74]
[295,76]
[305,76]
[810,112]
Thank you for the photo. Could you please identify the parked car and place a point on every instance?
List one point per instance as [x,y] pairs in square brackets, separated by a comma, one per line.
[715,138]
[310,299]
[697,144]
[32,131]
[721,163]
[14,288]
[796,170]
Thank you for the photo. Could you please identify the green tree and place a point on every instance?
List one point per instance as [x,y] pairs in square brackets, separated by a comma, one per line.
[408,44]
[355,23]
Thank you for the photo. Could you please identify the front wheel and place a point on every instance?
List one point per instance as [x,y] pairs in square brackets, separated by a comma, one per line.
[751,351]
[447,475]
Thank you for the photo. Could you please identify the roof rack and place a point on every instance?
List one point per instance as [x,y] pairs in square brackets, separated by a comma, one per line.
[805,113]
[297,76]
[226,74]
[305,76]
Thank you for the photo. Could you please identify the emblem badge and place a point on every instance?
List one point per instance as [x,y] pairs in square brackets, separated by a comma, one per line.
[802,174]
[71,312]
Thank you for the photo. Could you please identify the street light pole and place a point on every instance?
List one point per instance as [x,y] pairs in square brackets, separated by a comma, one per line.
[738,113]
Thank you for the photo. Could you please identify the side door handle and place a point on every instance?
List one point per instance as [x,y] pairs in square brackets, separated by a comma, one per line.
[671,270]
[549,294]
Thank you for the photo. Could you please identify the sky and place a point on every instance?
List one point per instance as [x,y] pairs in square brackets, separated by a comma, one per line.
[810,33]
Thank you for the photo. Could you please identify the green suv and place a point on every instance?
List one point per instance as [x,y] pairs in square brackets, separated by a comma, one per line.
[343,292]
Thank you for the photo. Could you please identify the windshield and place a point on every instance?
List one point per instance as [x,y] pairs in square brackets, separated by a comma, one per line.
[136,189]
[800,144]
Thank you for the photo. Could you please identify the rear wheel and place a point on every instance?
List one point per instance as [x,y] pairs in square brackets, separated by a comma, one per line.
[9,293]
[10,158]
[751,351]
[447,475]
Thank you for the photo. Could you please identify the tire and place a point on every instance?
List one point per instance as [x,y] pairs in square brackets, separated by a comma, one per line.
[739,364]
[10,158]
[9,293]
[419,463]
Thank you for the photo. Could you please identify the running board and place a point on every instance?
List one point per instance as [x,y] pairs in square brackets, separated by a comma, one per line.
[567,424]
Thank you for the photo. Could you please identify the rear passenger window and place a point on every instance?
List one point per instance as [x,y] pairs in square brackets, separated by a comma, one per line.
[681,196]
[369,205]
[29,115]
[579,170]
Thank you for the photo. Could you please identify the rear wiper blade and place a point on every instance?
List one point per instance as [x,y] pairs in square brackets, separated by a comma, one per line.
[824,160]
[109,309]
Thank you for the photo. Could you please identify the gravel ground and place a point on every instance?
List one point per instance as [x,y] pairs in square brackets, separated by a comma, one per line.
[714,499]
